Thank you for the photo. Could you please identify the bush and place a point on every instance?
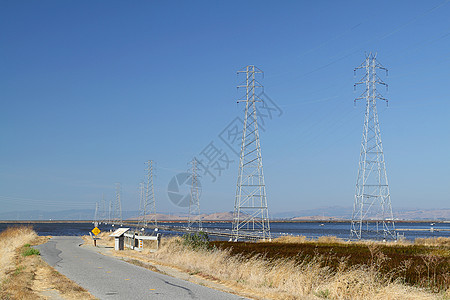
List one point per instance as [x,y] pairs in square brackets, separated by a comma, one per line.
[196,241]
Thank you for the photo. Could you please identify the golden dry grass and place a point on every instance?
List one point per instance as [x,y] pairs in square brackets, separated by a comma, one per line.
[439,241]
[11,239]
[47,278]
[286,278]
[29,277]
[329,239]
[435,241]
[291,239]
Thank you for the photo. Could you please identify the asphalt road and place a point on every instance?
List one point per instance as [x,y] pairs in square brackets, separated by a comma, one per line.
[107,277]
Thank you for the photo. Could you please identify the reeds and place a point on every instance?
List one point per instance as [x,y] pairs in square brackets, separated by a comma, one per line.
[290,277]
[439,241]
[416,265]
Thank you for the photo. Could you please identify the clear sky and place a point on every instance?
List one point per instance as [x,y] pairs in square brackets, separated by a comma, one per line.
[90,90]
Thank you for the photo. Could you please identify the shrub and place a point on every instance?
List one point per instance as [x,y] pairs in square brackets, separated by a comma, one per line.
[196,241]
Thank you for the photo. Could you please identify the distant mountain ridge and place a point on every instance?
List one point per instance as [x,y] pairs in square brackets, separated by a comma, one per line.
[325,213]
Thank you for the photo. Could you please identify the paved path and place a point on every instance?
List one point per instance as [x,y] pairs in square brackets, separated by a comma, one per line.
[107,277]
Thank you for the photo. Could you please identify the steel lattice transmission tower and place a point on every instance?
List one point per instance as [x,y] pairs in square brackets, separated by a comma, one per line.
[96,214]
[194,218]
[148,203]
[117,213]
[103,210]
[251,216]
[141,190]
[372,211]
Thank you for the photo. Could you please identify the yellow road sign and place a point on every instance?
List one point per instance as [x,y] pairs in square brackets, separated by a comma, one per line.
[95,231]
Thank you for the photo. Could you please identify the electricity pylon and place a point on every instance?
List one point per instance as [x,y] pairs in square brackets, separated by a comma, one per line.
[251,216]
[148,203]
[194,218]
[141,190]
[110,207]
[96,214]
[372,211]
[103,211]
[117,213]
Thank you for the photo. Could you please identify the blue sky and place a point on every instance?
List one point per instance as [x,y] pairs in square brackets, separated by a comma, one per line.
[90,90]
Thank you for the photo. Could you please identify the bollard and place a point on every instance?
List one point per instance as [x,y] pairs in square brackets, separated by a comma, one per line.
[158,240]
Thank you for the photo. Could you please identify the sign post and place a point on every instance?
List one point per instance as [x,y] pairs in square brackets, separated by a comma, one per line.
[95,231]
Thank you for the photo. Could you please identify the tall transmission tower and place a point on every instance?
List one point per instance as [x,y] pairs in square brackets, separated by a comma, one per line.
[103,211]
[110,205]
[141,190]
[117,213]
[194,218]
[251,216]
[96,214]
[372,211]
[148,208]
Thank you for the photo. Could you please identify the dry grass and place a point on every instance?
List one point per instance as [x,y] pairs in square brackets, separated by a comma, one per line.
[273,277]
[329,239]
[46,278]
[416,265]
[10,240]
[440,241]
[291,239]
[28,276]
[286,278]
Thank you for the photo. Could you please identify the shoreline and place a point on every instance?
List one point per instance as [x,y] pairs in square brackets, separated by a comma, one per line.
[217,221]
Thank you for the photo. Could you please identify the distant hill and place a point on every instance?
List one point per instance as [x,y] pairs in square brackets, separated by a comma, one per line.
[222,216]
[345,213]
[424,214]
[325,213]
[315,218]
[72,214]
[340,212]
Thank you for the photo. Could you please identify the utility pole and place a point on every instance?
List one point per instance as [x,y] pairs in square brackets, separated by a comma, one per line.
[194,203]
[372,211]
[251,216]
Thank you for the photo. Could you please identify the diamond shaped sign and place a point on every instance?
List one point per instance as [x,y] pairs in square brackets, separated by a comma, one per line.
[95,231]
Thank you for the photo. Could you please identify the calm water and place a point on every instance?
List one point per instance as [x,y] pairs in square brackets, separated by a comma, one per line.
[308,229]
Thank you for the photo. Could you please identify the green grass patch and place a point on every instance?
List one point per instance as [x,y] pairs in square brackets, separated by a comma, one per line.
[18,270]
[27,251]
